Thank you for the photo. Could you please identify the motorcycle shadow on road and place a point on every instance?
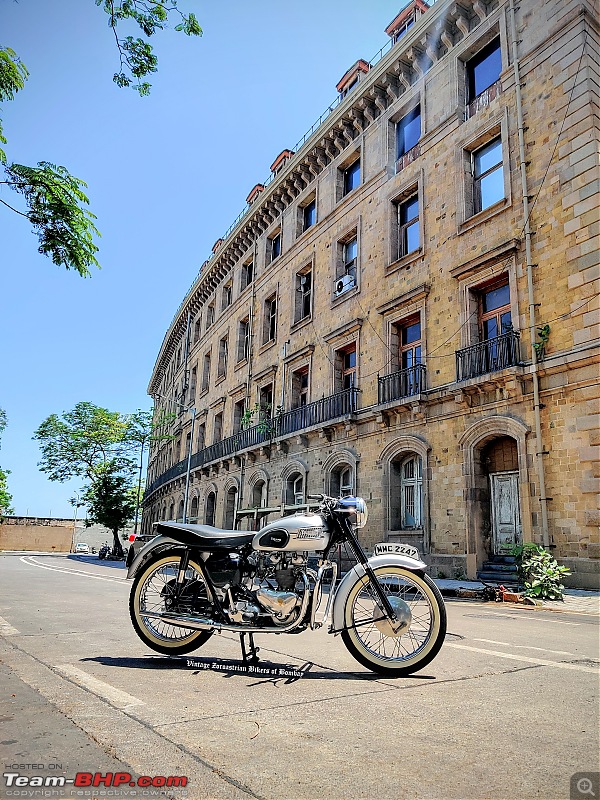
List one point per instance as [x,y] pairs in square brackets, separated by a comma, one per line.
[265,671]
[93,559]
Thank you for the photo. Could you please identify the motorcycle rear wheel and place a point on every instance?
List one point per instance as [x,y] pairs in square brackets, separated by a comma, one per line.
[368,635]
[152,590]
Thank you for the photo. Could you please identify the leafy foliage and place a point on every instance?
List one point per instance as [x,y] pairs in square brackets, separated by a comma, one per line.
[82,442]
[111,501]
[137,59]
[55,200]
[540,572]
[13,75]
[5,495]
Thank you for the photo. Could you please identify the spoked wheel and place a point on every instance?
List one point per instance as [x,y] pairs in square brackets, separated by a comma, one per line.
[417,636]
[154,590]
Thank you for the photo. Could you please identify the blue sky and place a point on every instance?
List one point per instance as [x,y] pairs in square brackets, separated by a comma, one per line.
[166,175]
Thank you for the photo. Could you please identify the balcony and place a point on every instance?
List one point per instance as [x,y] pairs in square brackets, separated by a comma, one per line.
[405,383]
[327,409]
[491,355]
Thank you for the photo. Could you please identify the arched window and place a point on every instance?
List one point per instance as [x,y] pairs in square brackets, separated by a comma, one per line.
[341,483]
[230,508]
[180,512]
[211,505]
[259,494]
[406,500]
[172,511]
[295,489]
[194,510]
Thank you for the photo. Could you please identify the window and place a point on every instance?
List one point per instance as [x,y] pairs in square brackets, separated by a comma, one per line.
[210,315]
[193,382]
[494,311]
[206,373]
[274,247]
[259,494]
[295,489]
[406,493]
[488,175]
[341,483]
[309,215]
[238,414]
[247,275]
[303,295]
[350,253]
[227,295]
[211,505]
[197,329]
[300,387]
[345,368]
[193,510]
[243,343]
[408,132]
[270,319]
[351,177]
[230,508]
[201,440]
[218,427]
[265,401]
[408,226]
[484,69]
[222,367]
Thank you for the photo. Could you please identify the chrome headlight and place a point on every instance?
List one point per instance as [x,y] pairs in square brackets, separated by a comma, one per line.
[356,506]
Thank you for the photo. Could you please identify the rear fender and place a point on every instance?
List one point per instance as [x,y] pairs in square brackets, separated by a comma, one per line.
[150,549]
[357,573]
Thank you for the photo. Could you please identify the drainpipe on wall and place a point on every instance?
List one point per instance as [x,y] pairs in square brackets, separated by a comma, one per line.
[539,445]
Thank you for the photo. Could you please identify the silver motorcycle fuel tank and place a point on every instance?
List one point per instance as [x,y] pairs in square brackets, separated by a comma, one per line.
[293,534]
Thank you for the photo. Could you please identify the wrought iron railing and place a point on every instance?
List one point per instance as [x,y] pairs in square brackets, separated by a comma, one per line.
[488,356]
[329,408]
[336,405]
[405,383]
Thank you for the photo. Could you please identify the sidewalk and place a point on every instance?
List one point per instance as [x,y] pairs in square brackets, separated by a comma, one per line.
[583,601]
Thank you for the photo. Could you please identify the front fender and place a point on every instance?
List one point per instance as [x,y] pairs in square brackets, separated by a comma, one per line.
[156,545]
[358,572]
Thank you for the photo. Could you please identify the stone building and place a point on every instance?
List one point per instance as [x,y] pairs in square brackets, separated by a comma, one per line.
[408,307]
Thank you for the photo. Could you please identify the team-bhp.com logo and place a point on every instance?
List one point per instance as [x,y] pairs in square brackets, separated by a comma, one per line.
[15,780]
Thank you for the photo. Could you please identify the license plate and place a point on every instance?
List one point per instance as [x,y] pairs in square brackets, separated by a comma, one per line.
[396,549]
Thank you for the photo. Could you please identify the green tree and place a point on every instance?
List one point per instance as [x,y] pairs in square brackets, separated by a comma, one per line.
[82,442]
[111,501]
[5,495]
[54,199]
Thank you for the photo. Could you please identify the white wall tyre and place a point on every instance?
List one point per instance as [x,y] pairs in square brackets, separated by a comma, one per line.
[367,636]
[152,591]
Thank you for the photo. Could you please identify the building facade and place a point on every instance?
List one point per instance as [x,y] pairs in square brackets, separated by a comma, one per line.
[408,308]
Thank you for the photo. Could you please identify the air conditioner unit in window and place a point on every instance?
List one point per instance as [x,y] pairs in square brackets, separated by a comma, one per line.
[344,284]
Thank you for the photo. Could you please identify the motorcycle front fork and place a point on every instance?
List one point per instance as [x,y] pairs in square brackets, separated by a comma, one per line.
[362,559]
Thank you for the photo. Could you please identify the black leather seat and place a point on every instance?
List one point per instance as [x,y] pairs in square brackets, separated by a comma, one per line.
[204,536]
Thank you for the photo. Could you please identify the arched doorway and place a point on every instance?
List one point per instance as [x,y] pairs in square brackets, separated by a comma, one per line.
[500,461]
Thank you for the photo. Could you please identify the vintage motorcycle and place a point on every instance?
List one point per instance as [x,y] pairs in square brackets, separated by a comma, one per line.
[193,580]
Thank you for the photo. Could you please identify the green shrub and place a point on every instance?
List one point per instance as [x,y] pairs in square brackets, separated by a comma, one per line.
[539,571]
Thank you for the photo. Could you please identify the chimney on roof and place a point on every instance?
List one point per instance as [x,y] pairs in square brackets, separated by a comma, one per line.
[281,160]
[352,76]
[406,19]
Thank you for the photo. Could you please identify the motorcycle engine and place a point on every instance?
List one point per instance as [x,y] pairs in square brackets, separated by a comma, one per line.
[280,603]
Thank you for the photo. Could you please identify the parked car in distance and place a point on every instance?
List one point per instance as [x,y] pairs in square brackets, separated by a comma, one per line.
[81,548]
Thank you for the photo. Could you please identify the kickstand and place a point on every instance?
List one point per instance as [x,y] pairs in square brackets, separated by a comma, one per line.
[250,657]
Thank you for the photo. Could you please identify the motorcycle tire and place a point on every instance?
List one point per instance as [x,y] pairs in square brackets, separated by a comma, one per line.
[368,634]
[150,591]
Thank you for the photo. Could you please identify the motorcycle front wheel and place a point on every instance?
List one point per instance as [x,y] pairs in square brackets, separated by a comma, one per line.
[369,635]
[154,590]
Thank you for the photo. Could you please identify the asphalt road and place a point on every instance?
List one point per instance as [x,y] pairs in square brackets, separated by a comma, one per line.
[508,709]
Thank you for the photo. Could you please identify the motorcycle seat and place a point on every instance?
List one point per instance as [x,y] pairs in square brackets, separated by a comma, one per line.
[204,535]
